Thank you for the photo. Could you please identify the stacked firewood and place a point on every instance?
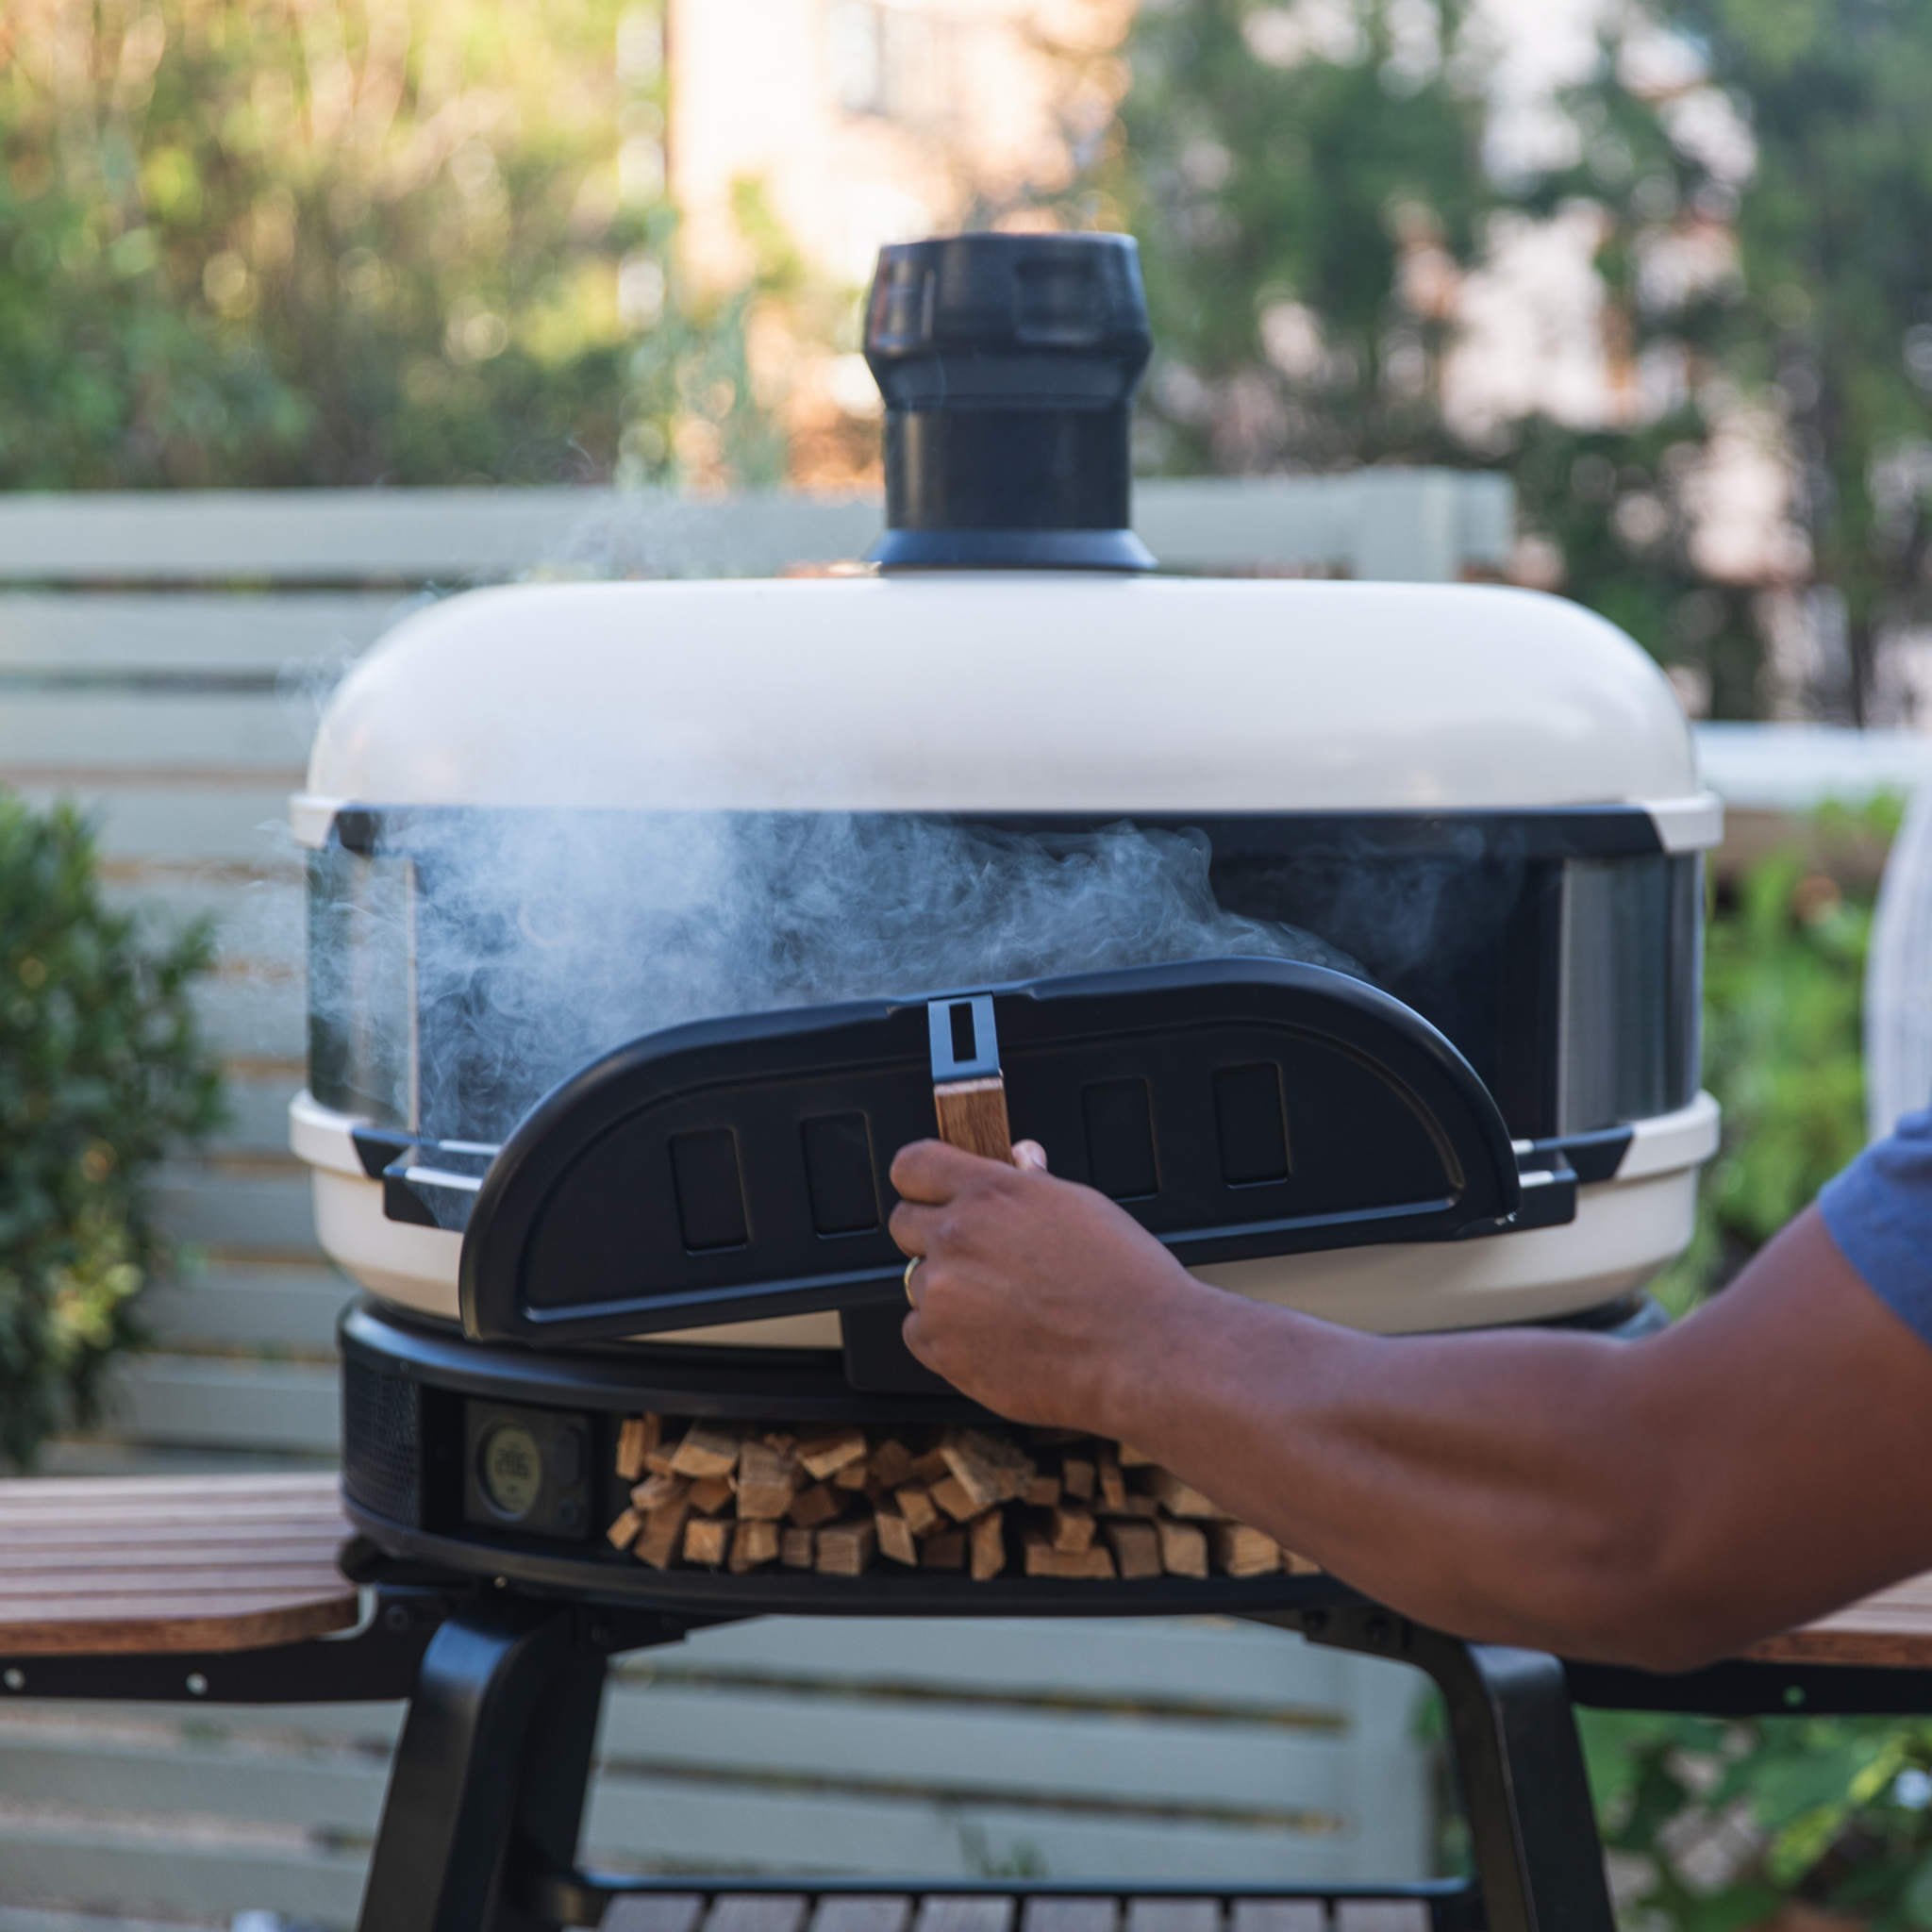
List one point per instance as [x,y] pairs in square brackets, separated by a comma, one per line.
[719,1496]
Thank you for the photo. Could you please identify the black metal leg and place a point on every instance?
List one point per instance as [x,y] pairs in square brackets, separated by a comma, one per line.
[1538,1856]
[490,1776]
[550,1791]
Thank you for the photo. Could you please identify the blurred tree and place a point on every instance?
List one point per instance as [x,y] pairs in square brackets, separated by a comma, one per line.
[1835,302]
[1307,196]
[332,243]
[1323,197]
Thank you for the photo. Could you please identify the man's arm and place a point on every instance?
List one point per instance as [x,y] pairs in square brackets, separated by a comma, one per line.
[1661,1501]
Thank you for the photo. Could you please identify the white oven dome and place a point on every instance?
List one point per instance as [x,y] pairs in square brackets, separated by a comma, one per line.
[1093,696]
[1009,692]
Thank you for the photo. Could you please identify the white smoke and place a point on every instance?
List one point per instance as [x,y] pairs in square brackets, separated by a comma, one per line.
[541,940]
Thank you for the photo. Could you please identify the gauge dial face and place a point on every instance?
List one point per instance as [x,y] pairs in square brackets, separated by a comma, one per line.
[512,1469]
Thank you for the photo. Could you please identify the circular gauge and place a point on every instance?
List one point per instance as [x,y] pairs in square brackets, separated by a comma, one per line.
[510,1469]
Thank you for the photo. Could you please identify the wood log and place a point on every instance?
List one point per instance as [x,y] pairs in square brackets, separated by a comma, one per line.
[1107,1469]
[636,1438]
[623,1532]
[1073,1528]
[1183,1547]
[1297,1565]
[856,1476]
[943,1551]
[1042,1559]
[1130,1458]
[1178,1498]
[973,1116]
[1089,1566]
[990,1470]
[796,1548]
[896,1539]
[656,1490]
[1136,1548]
[707,1541]
[823,1455]
[817,1504]
[845,1549]
[1136,1503]
[952,1496]
[1076,1478]
[752,1545]
[707,1449]
[662,1540]
[1242,1551]
[891,1463]
[711,1493]
[988,1540]
[767,1481]
[920,1513]
[1042,1492]
[929,1469]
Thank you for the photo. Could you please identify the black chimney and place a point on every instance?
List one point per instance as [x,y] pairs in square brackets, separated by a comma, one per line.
[1009,364]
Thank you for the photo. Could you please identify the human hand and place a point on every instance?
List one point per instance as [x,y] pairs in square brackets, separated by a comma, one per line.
[1033,1295]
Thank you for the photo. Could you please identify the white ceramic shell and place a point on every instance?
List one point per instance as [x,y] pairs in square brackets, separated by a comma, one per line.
[1011,694]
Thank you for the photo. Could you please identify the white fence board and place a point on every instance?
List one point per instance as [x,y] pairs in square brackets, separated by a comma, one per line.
[1404,523]
[258,1114]
[1092,1756]
[417,536]
[184,1778]
[258,917]
[372,1729]
[238,1208]
[180,1400]
[108,730]
[195,823]
[181,635]
[290,1306]
[256,1018]
[107,1865]
[1205,1660]
[672,1824]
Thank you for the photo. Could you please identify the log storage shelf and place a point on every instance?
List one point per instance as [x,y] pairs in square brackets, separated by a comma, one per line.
[848,1501]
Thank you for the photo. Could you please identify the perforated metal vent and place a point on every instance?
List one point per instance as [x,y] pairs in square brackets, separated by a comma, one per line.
[382,1443]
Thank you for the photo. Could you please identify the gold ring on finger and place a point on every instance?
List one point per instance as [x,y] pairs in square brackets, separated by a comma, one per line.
[909,1267]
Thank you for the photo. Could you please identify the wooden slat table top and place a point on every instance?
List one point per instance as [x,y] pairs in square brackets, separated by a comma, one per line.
[170,1563]
[1892,1627]
[877,1911]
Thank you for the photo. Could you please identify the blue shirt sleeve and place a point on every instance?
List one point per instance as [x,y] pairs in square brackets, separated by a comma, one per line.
[1879,1212]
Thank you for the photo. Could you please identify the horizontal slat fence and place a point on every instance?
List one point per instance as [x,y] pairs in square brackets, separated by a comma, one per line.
[929,1749]
[163,659]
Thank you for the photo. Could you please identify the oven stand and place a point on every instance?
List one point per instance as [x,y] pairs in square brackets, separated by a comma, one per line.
[489,1779]
[479,1830]
[1518,1761]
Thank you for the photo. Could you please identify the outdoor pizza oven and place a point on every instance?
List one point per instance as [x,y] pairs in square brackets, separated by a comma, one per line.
[1348,934]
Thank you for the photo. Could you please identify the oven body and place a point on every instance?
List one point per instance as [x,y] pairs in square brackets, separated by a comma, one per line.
[526,802]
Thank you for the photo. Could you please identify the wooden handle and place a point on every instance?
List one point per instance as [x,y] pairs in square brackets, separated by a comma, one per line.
[972,1115]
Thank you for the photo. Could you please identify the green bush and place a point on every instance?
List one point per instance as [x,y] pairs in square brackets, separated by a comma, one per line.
[101,1072]
[1784,972]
